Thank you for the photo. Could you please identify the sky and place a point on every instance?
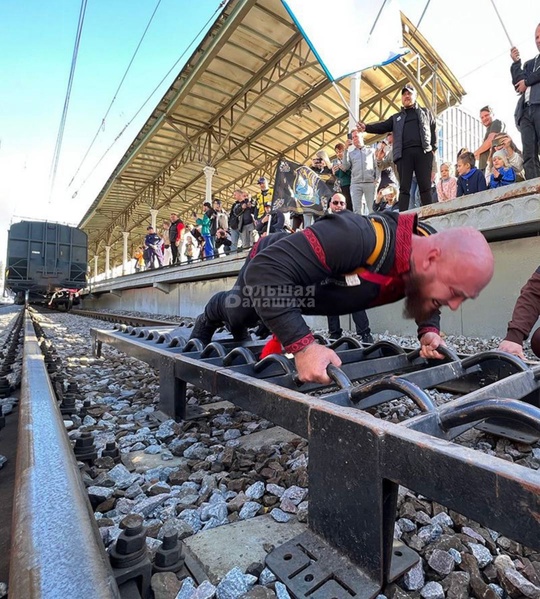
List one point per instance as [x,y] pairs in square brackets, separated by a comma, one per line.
[36,48]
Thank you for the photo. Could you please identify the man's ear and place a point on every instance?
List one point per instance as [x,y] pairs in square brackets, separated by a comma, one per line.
[431,258]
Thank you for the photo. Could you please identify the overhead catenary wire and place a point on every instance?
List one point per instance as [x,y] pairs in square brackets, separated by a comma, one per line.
[220,6]
[115,95]
[61,128]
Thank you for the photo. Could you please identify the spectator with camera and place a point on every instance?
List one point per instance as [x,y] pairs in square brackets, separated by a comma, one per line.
[385,162]
[343,178]
[387,199]
[246,221]
[234,217]
[360,160]
[223,240]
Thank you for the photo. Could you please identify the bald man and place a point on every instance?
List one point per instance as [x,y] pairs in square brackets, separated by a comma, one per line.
[347,262]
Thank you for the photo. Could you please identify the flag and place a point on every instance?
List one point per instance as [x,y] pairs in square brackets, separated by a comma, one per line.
[352,35]
[298,189]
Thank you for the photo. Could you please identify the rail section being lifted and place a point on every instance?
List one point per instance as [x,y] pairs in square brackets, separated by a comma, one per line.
[56,548]
[357,461]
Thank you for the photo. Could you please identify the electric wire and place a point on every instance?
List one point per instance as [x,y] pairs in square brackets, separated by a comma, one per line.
[421,17]
[221,5]
[103,120]
[61,128]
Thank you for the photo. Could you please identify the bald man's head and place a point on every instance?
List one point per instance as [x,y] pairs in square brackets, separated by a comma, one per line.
[446,269]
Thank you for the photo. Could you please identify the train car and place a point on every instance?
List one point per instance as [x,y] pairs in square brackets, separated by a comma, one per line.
[46,263]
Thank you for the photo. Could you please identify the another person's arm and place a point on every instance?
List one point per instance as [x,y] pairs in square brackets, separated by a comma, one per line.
[524,317]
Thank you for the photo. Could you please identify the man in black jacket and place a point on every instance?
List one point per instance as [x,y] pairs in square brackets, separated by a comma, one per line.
[526,81]
[346,262]
[415,140]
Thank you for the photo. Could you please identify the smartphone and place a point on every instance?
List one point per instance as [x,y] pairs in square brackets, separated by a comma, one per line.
[349,135]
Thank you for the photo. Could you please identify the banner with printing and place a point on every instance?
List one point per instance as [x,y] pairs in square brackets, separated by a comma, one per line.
[298,189]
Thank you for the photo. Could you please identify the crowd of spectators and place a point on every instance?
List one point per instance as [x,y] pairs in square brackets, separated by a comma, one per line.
[398,173]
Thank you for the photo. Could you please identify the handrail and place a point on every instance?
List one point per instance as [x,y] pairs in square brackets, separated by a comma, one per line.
[56,550]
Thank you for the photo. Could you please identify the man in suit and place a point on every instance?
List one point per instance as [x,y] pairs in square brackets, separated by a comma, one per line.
[526,81]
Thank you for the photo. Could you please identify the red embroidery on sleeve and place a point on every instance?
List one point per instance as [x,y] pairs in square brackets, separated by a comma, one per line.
[295,347]
[316,247]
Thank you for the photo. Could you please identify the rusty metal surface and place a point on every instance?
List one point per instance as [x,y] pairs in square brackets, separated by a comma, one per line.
[56,549]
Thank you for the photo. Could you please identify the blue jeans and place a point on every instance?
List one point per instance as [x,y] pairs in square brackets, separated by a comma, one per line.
[208,246]
[235,238]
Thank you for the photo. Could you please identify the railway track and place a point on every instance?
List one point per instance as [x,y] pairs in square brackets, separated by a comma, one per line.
[416,441]
[497,393]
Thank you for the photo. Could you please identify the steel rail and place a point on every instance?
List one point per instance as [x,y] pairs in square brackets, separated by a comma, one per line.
[125,319]
[56,549]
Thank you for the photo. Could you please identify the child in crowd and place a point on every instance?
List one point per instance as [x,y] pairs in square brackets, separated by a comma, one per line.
[189,249]
[470,180]
[138,256]
[447,184]
[501,173]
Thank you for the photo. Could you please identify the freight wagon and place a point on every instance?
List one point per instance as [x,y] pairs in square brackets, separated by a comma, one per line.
[46,263]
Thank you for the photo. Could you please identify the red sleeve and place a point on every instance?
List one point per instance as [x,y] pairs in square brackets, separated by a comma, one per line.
[526,310]
[179,230]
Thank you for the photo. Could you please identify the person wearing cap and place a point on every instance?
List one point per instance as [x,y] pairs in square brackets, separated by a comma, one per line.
[493,126]
[152,245]
[263,196]
[415,141]
[271,222]
[526,80]
[524,317]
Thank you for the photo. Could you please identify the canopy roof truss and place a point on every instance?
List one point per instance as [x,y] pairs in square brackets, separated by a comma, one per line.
[251,93]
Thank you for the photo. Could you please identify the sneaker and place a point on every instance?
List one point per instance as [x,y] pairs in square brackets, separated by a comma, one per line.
[367,338]
[203,329]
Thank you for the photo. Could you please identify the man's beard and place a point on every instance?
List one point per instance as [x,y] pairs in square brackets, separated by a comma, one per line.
[417,306]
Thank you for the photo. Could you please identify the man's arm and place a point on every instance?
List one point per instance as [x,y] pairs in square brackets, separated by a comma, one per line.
[486,145]
[281,280]
[346,162]
[382,127]
[524,316]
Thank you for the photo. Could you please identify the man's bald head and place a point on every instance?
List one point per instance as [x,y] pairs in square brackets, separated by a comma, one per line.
[446,269]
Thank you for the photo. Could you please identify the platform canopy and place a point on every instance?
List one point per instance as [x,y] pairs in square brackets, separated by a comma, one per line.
[251,92]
